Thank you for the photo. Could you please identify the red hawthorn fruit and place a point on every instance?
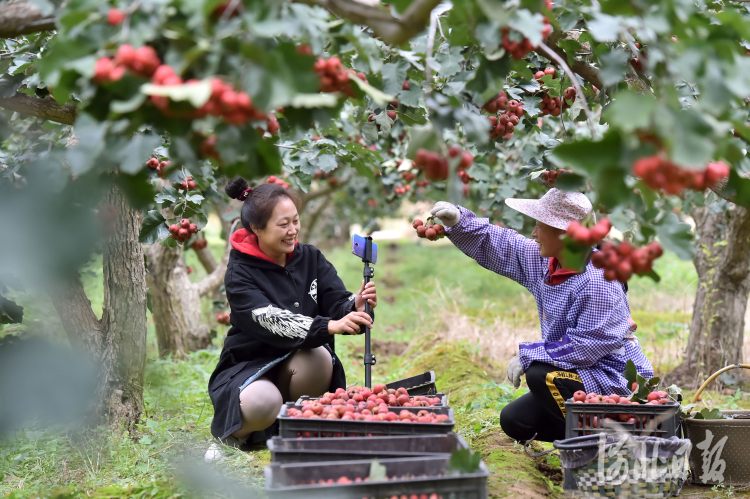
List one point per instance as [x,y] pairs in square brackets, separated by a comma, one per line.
[115,17]
[185,223]
[417,222]
[304,49]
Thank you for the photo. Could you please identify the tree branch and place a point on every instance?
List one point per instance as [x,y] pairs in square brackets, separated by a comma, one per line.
[216,277]
[720,191]
[46,108]
[585,70]
[22,18]
[78,318]
[392,30]
[548,52]
[309,196]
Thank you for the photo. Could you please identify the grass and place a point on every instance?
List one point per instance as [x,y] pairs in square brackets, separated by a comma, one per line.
[429,296]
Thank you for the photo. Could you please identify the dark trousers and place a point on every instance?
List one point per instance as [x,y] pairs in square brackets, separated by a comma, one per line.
[542,410]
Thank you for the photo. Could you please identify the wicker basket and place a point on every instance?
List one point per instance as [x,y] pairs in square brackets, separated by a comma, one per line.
[625,465]
[720,446]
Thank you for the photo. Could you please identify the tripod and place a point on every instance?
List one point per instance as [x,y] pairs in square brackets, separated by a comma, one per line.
[368,273]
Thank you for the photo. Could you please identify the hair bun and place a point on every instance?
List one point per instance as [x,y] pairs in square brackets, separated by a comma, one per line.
[236,187]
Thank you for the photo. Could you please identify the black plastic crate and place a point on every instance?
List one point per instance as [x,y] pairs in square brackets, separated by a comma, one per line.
[650,420]
[421,384]
[443,400]
[281,479]
[326,428]
[306,450]
[588,419]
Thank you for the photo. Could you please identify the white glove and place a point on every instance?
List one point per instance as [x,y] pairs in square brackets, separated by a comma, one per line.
[447,213]
[515,371]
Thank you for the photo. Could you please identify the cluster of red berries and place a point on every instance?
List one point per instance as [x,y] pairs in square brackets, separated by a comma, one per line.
[187,184]
[431,230]
[541,74]
[391,115]
[465,177]
[334,77]
[222,318]
[351,413]
[554,106]
[622,261]
[589,237]
[402,189]
[278,181]
[503,125]
[423,183]
[408,176]
[551,176]
[157,165]
[182,231]
[366,398]
[436,167]
[115,17]
[199,244]
[142,61]
[661,174]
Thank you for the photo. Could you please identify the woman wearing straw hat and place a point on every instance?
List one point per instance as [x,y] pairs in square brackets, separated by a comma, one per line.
[586,327]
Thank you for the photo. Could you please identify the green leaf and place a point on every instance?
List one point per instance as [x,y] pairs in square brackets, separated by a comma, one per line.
[605,28]
[630,373]
[196,94]
[476,127]
[375,94]
[132,156]
[529,25]
[422,137]
[84,154]
[705,413]
[326,162]
[450,63]
[314,100]
[370,131]
[394,75]
[630,111]
[377,471]
[613,66]
[412,96]
[676,236]
[153,228]
[363,169]
[588,155]
[465,460]
[9,84]
[127,106]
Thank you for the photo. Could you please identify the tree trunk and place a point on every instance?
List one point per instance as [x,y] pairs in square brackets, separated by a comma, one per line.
[723,265]
[176,301]
[118,340]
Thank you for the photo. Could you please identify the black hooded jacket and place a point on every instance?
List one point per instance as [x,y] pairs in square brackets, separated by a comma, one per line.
[275,311]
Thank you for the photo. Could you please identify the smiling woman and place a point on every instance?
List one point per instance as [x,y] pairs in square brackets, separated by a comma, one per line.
[287,304]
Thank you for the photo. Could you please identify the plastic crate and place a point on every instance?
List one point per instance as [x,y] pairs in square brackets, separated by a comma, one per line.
[306,450]
[321,428]
[281,479]
[421,384]
[651,420]
[442,396]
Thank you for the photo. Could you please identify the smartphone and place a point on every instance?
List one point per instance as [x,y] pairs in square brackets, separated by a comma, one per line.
[359,248]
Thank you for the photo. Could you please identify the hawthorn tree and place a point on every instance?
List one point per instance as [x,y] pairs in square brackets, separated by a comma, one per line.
[405,99]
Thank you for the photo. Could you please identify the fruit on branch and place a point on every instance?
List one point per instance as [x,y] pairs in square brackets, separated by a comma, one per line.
[550,105]
[504,125]
[405,86]
[142,62]
[661,174]
[153,163]
[586,236]
[434,165]
[540,74]
[551,176]
[334,77]
[622,261]
[430,230]
[115,17]
[187,184]
[399,189]
[466,157]
[517,46]
[199,244]
[499,103]
[182,230]
[303,49]
[278,181]
[391,115]
[222,318]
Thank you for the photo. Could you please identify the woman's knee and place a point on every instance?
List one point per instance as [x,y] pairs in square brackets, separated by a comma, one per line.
[511,418]
[536,377]
[260,403]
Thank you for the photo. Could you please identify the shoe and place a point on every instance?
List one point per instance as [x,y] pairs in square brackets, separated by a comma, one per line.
[215,452]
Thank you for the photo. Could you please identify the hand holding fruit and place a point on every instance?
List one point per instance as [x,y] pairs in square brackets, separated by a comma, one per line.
[350,324]
[447,213]
[364,295]
[429,230]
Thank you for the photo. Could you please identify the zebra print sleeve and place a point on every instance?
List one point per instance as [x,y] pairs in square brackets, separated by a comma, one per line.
[283,322]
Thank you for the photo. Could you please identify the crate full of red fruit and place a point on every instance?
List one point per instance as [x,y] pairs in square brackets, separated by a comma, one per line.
[428,477]
[393,397]
[319,421]
[313,450]
[590,413]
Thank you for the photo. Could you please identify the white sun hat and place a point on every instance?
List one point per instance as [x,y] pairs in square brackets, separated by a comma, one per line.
[556,208]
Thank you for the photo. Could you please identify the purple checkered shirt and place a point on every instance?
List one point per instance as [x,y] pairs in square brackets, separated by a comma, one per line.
[584,319]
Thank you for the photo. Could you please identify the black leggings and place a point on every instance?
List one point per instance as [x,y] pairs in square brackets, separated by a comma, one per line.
[542,410]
